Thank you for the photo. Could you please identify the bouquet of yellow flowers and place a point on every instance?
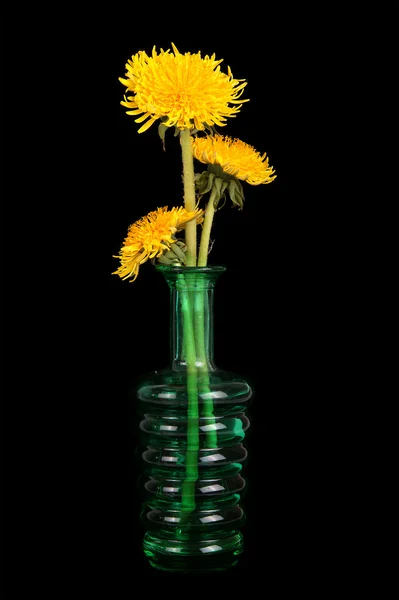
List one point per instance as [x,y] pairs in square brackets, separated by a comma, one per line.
[192,96]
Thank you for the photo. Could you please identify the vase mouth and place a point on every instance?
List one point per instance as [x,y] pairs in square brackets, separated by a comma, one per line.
[186,270]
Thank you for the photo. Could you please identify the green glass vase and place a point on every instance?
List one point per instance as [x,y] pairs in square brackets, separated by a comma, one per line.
[193,424]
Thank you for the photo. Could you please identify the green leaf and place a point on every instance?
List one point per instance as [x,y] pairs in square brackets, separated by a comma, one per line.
[225,185]
[161,132]
[210,178]
[163,260]
[204,181]
[236,193]
[179,253]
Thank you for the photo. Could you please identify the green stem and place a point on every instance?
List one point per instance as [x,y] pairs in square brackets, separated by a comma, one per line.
[211,436]
[204,387]
[206,231]
[189,196]
[188,491]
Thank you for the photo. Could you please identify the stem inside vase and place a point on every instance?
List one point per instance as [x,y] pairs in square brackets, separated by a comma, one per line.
[188,491]
[191,338]
[201,319]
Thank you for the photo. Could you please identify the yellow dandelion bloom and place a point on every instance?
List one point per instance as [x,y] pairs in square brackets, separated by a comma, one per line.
[235,157]
[184,90]
[150,236]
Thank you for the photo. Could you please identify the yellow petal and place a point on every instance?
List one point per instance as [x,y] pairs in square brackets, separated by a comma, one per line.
[138,111]
[146,125]
[143,117]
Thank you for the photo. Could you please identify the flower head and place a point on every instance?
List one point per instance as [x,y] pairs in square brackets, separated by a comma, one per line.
[151,236]
[184,90]
[235,157]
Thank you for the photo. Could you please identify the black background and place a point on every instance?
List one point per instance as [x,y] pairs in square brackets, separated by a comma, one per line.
[77,174]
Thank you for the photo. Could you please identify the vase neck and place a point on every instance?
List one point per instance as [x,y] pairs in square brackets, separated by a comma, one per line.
[191,316]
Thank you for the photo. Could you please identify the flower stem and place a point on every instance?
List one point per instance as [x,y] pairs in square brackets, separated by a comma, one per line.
[203,384]
[188,490]
[206,231]
[189,196]
[211,435]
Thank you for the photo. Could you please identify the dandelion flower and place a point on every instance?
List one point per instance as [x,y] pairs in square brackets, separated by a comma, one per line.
[235,157]
[151,236]
[184,90]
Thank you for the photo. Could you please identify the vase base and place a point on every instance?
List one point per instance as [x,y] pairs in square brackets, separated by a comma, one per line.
[194,556]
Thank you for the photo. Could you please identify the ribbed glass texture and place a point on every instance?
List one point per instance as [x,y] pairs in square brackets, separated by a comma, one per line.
[193,425]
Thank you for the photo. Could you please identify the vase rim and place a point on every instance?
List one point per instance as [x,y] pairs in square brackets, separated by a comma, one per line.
[185,269]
